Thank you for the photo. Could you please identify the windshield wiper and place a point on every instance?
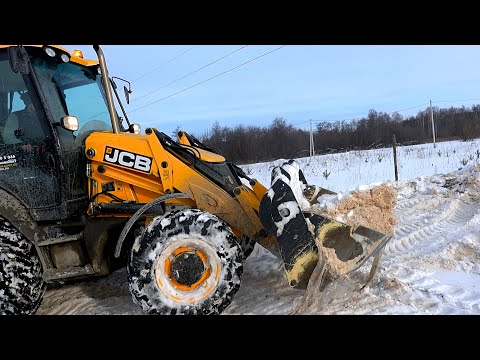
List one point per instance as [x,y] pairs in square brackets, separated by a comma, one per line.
[114,86]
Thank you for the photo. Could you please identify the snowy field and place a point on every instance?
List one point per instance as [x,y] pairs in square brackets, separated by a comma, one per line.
[430,266]
[346,171]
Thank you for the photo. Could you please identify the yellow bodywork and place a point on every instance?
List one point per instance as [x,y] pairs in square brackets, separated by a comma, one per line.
[142,170]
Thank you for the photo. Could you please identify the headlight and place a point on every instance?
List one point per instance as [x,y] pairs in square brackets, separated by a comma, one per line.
[135,128]
[64,58]
[49,51]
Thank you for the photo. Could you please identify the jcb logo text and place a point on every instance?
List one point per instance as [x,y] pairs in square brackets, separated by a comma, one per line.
[128,159]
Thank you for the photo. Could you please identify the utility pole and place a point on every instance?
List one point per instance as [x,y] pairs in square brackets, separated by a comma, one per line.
[310,140]
[433,124]
[312,145]
[313,142]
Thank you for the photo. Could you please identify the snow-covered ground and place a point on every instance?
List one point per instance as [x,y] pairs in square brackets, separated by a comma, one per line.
[345,171]
[430,266]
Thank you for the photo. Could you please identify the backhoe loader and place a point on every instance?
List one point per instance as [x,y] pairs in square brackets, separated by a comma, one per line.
[83,192]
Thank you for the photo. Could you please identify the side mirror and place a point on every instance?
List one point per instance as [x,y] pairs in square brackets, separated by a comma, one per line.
[127,94]
[69,123]
[134,129]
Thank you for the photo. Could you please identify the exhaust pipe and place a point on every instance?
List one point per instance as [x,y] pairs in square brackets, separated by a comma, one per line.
[108,90]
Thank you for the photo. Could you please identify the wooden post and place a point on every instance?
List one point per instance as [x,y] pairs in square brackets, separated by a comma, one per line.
[395,157]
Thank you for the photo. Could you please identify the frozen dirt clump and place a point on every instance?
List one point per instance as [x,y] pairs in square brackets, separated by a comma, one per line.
[371,207]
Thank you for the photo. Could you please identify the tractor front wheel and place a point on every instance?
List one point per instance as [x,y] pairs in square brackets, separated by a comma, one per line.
[185,262]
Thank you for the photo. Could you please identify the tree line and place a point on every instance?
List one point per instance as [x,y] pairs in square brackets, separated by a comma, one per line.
[250,144]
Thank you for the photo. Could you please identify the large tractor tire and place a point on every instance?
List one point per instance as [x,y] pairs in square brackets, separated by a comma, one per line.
[21,283]
[186,262]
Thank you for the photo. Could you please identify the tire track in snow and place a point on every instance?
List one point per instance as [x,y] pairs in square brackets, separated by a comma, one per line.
[444,300]
[394,296]
[109,295]
[416,248]
[409,219]
[54,300]
[453,216]
[264,292]
[451,296]
[408,207]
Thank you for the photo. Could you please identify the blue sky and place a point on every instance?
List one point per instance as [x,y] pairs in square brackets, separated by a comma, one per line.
[296,82]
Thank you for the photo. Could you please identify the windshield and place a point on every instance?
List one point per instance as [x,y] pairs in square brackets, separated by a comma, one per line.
[72,89]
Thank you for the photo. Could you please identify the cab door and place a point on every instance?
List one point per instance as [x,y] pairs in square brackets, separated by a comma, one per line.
[71,88]
[28,169]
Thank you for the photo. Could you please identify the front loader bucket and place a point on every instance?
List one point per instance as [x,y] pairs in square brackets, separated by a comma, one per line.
[285,213]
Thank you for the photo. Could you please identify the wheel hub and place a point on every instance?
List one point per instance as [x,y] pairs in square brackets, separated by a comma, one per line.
[187,268]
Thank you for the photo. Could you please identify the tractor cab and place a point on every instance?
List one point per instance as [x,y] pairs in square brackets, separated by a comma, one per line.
[50,100]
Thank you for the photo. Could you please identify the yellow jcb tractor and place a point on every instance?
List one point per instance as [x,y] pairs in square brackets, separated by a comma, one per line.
[83,193]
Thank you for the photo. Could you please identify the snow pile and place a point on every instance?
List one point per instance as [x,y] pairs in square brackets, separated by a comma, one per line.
[464,181]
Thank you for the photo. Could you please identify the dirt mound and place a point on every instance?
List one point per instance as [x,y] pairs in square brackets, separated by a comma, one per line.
[372,208]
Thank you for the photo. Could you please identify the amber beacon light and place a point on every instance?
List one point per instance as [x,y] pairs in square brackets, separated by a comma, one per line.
[77,53]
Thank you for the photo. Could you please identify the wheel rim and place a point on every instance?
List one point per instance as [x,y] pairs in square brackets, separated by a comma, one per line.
[188,270]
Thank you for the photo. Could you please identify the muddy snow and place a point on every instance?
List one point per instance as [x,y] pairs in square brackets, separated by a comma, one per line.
[431,265]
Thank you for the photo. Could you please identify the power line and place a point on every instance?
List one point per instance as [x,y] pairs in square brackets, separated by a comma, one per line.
[302,122]
[410,108]
[391,112]
[161,65]
[449,101]
[191,73]
[213,77]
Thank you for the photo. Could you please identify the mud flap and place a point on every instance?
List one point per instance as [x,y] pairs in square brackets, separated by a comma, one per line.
[299,231]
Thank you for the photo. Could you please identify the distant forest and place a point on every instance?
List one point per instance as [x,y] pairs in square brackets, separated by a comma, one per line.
[251,144]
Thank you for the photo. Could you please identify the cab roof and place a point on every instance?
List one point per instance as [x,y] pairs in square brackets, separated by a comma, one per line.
[73,58]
